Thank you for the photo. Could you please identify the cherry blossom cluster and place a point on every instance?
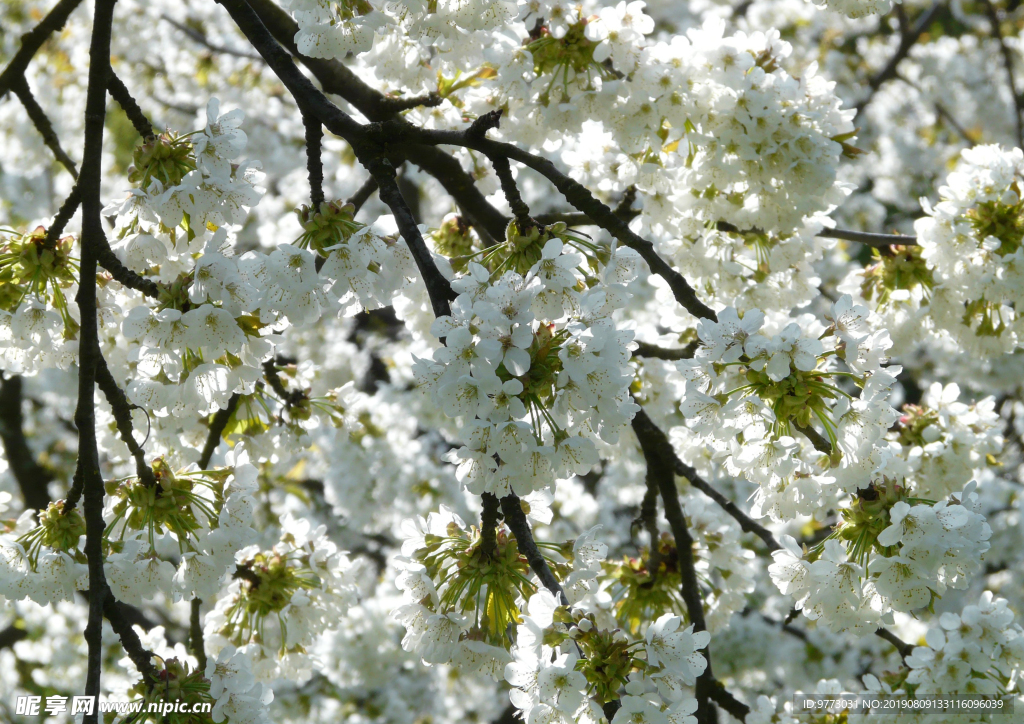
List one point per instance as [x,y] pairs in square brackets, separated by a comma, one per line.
[946,441]
[177,538]
[971,242]
[752,390]
[280,601]
[888,554]
[37,324]
[569,661]
[533,362]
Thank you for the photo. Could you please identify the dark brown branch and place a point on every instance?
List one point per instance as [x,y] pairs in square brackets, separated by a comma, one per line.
[64,214]
[31,477]
[397,104]
[649,519]
[655,352]
[908,37]
[1011,76]
[88,471]
[121,620]
[868,239]
[314,160]
[33,40]
[902,647]
[489,523]
[122,410]
[520,210]
[438,288]
[821,444]
[196,643]
[573,191]
[42,123]
[660,473]
[645,429]
[120,93]
[336,78]
[516,521]
[217,425]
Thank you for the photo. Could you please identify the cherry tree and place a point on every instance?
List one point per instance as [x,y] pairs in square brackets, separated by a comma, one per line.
[484,360]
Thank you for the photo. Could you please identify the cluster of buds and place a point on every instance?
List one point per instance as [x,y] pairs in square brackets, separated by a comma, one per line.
[327,225]
[32,264]
[167,158]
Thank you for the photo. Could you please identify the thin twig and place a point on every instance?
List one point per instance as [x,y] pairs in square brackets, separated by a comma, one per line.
[42,123]
[195,634]
[908,37]
[217,425]
[880,241]
[489,523]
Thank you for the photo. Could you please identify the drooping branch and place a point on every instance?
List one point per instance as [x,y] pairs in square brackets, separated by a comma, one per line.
[42,123]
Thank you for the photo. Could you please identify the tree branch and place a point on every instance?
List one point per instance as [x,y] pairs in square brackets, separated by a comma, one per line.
[122,410]
[32,41]
[120,93]
[653,351]
[217,425]
[868,239]
[88,471]
[31,477]
[42,123]
[908,37]
[314,160]
[198,37]
[516,521]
